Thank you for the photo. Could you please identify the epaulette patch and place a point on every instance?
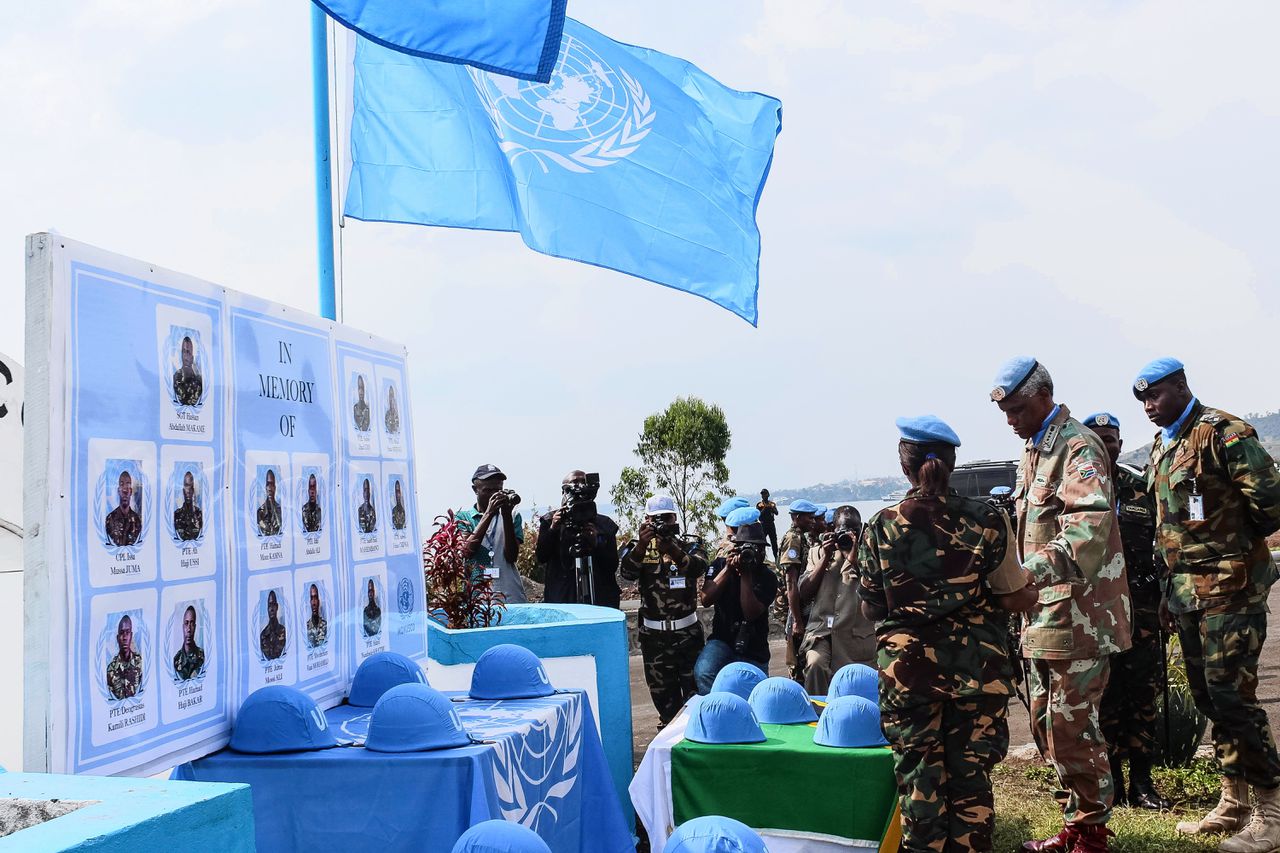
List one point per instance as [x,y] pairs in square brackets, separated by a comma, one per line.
[1210,418]
[1050,437]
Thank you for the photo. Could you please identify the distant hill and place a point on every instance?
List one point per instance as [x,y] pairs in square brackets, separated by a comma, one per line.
[872,489]
[1267,425]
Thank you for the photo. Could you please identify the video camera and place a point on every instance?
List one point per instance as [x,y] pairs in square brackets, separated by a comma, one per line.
[577,513]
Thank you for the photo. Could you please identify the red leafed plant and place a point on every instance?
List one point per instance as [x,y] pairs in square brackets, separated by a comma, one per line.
[466,596]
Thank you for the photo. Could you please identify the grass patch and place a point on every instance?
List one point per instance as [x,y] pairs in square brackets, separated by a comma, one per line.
[1025,809]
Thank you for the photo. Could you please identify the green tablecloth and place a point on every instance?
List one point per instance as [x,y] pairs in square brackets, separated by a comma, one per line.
[788,782]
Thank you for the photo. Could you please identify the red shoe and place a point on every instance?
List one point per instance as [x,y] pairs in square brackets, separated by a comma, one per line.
[1061,843]
[1092,838]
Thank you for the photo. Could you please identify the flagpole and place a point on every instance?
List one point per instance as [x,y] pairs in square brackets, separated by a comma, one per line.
[324,188]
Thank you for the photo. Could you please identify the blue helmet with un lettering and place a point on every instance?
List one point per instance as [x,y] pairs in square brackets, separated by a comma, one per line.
[378,674]
[508,671]
[414,718]
[280,719]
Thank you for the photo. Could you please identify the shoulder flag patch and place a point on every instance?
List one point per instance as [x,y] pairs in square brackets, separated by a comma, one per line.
[1231,439]
[1086,470]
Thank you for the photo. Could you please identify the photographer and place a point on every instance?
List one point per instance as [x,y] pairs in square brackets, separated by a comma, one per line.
[599,536]
[837,632]
[494,532]
[741,592]
[670,635]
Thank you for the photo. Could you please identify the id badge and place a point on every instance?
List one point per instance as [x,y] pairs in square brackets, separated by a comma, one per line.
[831,621]
[493,572]
[677,583]
[1195,505]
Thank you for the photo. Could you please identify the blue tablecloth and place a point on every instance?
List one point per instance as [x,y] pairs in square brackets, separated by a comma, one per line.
[541,764]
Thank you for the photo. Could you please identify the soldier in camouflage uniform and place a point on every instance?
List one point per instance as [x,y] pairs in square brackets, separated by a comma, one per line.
[124,671]
[1217,497]
[360,410]
[317,625]
[1128,712]
[934,570]
[271,640]
[124,524]
[1069,541]
[188,660]
[366,514]
[269,511]
[836,633]
[311,512]
[188,519]
[670,634]
[187,384]
[793,560]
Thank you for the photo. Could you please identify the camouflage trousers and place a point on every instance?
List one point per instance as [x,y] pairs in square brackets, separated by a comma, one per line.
[669,657]
[1065,695]
[1221,653]
[1128,711]
[943,754]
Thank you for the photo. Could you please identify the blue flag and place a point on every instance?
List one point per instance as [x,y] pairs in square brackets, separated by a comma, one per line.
[518,38]
[628,159]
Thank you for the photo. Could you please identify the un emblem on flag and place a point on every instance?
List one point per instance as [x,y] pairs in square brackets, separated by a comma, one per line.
[590,115]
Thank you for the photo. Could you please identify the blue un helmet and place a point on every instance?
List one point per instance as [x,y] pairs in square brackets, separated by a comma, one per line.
[722,718]
[850,721]
[738,678]
[378,674]
[714,834]
[500,836]
[781,701]
[855,679]
[414,718]
[507,671]
[280,719]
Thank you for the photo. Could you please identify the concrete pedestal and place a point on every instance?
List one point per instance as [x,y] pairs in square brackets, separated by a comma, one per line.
[581,646]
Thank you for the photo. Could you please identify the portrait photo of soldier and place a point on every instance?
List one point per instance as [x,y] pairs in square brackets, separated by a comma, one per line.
[360,411]
[372,613]
[188,661]
[188,386]
[398,515]
[392,418]
[124,672]
[269,511]
[272,639]
[124,523]
[311,514]
[368,516]
[188,518]
[317,625]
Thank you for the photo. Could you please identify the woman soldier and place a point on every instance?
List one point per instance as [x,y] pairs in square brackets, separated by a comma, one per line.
[937,573]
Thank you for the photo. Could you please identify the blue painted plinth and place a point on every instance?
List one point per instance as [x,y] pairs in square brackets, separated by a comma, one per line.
[561,635]
[133,815]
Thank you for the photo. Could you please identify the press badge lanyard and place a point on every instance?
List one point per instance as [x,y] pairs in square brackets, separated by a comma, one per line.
[1195,502]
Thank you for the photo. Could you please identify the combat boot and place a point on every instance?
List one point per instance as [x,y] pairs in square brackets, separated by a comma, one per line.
[1229,815]
[1060,843]
[1142,791]
[1262,835]
[1117,781]
[1091,838]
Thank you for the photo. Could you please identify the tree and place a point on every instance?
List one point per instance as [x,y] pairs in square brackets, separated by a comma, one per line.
[681,452]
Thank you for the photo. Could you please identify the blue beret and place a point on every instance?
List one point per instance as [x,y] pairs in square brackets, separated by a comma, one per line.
[1102,419]
[927,429]
[742,516]
[1153,372]
[730,505]
[804,507]
[1011,375]
[829,516]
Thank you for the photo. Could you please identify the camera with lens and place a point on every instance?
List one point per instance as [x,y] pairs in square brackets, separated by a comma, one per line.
[578,512]
[843,537]
[665,529]
[509,494]
[750,555]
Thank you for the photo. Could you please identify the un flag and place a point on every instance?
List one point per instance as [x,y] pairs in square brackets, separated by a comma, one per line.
[628,159]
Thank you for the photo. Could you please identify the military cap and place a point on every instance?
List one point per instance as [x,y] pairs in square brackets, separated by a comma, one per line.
[660,505]
[855,679]
[851,722]
[829,516]
[714,834]
[414,718]
[730,505]
[723,718]
[927,429]
[485,471]
[739,678]
[1011,375]
[781,701]
[804,507]
[508,671]
[500,836]
[280,719]
[1102,419]
[742,515]
[378,674]
[749,534]
[1155,371]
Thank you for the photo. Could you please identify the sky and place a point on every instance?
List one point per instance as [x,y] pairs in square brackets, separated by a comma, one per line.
[956,182]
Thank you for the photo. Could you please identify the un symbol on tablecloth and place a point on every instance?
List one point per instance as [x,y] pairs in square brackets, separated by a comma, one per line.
[590,115]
